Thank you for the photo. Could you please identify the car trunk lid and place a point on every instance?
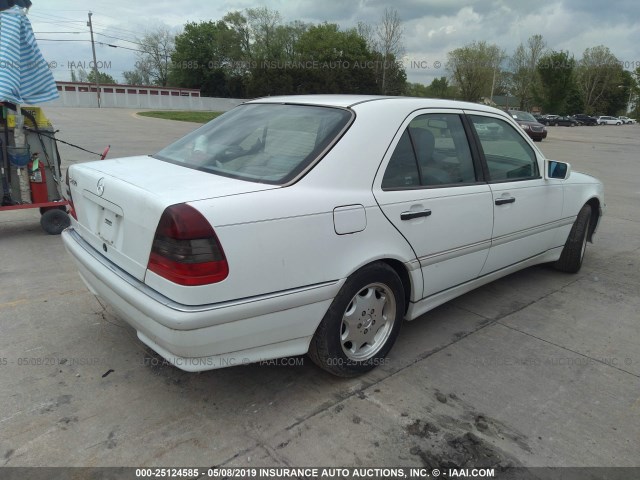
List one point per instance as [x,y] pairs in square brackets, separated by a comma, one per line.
[118,203]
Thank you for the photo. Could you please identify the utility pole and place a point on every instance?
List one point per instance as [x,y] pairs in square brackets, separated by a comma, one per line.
[495,71]
[95,62]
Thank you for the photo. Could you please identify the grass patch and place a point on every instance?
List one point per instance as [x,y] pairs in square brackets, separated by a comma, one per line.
[196,117]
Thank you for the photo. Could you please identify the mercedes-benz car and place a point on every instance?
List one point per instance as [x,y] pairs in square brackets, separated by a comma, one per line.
[318,224]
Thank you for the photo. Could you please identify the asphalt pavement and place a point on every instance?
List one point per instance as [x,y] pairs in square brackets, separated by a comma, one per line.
[539,368]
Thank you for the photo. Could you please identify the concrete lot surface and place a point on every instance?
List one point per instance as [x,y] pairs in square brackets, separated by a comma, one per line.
[538,369]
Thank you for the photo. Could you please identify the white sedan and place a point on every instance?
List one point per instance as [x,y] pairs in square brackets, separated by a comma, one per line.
[317,224]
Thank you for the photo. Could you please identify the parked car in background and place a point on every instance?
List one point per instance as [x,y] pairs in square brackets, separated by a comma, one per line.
[606,120]
[318,224]
[529,124]
[627,120]
[586,119]
[548,119]
[565,121]
[489,130]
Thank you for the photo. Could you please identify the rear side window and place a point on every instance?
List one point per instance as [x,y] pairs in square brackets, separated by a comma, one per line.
[267,143]
[433,151]
[509,157]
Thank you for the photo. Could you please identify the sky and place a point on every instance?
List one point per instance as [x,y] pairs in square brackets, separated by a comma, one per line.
[431,27]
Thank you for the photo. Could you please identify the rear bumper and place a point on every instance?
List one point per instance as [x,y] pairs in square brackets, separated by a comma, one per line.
[204,337]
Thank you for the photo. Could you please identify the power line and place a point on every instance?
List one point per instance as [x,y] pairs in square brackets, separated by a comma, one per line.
[60,40]
[132,32]
[55,19]
[118,38]
[89,41]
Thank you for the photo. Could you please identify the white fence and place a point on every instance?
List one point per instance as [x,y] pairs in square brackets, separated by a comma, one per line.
[142,101]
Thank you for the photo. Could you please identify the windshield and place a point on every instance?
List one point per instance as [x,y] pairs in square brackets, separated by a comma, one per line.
[524,116]
[267,143]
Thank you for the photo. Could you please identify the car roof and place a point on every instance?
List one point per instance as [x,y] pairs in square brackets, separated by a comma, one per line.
[348,101]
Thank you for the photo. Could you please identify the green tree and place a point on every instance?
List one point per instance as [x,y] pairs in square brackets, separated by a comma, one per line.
[598,75]
[153,61]
[137,76]
[385,40]
[524,75]
[333,61]
[253,53]
[207,55]
[439,88]
[634,94]
[474,69]
[615,100]
[263,25]
[274,52]
[389,34]
[417,90]
[556,70]
[103,78]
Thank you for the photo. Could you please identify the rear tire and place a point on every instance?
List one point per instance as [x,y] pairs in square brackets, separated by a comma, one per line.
[54,221]
[572,255]
[361,324]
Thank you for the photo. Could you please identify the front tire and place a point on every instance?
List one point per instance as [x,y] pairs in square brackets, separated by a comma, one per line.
[572,255]
[362,323]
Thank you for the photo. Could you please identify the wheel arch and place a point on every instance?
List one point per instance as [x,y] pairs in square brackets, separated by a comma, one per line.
[405,278]
[401,270]
[595,205]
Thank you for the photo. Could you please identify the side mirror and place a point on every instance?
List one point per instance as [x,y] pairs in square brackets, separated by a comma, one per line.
[558,170]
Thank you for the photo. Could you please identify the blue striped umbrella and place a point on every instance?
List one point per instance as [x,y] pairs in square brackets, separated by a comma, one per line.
[24,74]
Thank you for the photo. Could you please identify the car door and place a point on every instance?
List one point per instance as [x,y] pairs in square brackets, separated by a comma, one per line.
[431,189]
[527,208]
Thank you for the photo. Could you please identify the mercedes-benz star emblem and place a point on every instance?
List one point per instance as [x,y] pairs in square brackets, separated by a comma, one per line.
[100,187]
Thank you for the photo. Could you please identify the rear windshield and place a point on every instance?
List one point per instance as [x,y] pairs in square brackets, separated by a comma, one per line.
[267,143]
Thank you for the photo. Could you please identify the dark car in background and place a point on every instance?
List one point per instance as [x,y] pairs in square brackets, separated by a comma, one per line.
[529,124]
[548,119]
[565,121]
[585,119]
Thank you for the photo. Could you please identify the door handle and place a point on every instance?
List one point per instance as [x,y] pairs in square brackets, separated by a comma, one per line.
[414,214]
[505,200]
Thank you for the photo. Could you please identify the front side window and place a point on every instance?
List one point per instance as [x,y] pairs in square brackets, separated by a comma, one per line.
[267,143]
[509,157]
[433,151]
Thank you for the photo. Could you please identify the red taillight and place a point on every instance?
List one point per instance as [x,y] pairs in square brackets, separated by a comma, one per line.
[186,250]
[72,210]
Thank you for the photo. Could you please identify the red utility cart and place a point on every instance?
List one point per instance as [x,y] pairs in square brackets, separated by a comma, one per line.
[30,174]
